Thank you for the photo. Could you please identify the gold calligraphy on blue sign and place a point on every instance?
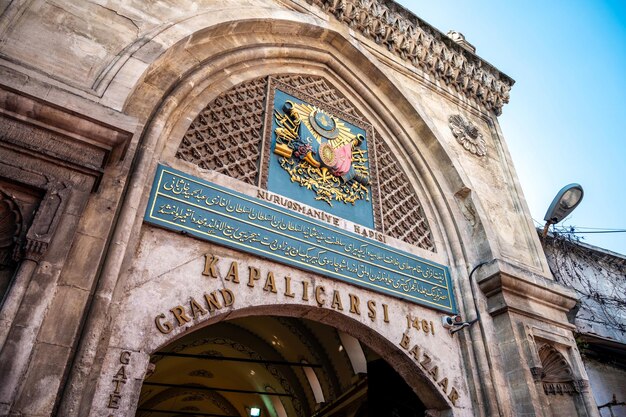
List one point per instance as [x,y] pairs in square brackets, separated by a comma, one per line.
[183,203]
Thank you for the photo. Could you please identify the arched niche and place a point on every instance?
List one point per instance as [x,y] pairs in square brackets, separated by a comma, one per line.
[561,390]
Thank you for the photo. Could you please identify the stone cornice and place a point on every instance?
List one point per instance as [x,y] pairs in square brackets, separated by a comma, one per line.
[510,288]
[39,112]
[414,40]
[48,132]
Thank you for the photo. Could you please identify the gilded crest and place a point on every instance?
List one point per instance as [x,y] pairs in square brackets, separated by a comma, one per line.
[321,153]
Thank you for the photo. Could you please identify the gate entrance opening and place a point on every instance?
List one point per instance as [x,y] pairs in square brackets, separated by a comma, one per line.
[280,366]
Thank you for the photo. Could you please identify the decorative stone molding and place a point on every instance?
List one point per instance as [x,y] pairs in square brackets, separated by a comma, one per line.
[285,383]
[45,222]
[190,408]
[70,139]
[509,289]
[468,135]
[316,350]
[202,373]
[581,385]
[187,394]
[192,398]
[553,388]
[536,372]
[27,221]
[150,370]
[557,375]
[414,40]
[226,135]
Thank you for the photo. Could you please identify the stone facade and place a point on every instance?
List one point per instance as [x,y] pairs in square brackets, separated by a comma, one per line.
[93,97]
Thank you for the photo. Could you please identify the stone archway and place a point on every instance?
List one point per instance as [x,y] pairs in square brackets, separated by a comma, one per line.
[262,361]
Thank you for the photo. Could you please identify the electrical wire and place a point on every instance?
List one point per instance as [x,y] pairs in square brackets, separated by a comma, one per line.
[576,232]
[580,230]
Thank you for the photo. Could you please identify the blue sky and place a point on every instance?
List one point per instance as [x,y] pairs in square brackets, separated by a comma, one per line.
[566,120]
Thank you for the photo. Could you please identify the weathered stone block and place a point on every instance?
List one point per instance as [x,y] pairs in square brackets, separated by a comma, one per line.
[67,309]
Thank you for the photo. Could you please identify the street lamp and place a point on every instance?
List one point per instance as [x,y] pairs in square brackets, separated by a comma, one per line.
[255,411]
[563,204]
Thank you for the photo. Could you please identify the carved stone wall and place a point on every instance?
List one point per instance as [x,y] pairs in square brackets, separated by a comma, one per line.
[226,137]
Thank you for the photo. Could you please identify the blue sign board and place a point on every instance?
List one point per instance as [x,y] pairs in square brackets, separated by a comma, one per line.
[183,203]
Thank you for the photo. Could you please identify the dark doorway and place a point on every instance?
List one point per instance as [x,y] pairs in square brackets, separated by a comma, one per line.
[388,395]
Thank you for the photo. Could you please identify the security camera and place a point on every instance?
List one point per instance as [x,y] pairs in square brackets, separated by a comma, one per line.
[456,323]
[451,321]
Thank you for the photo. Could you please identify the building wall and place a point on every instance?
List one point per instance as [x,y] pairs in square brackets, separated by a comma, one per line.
[597,276]
[607,383]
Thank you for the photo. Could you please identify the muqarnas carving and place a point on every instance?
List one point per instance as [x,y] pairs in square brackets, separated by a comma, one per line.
[415,41]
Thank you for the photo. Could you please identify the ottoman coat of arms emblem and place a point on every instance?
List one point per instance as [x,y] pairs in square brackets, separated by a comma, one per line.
[320,152]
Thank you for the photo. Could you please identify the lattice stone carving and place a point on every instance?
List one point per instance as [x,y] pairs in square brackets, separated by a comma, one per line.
[226,135]
[403,216]
[318,88]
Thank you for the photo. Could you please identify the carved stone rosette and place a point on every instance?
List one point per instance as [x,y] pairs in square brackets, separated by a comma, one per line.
[468,135]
